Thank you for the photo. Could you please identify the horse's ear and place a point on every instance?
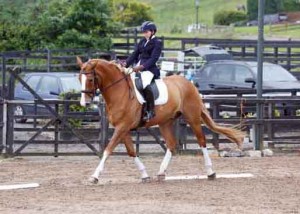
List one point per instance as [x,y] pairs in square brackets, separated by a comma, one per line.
[79,62]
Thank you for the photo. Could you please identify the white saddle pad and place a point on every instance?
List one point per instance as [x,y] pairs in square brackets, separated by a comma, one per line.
[162,88]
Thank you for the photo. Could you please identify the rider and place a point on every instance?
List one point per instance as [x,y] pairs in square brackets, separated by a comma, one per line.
[146,54]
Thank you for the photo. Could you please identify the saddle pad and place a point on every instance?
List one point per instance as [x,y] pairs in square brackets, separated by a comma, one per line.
[162,88]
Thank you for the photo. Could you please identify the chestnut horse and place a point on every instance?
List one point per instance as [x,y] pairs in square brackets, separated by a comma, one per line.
[124,112]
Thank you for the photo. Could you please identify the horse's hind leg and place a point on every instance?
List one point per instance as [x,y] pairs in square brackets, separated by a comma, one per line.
[195,124]
[166,130]
[131,152]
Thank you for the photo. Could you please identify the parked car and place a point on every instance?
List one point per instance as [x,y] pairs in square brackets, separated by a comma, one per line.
[189,61]
[232,74]
[47,86]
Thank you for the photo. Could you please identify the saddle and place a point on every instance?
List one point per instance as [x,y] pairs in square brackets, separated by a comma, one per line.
[158,87]
[139,86]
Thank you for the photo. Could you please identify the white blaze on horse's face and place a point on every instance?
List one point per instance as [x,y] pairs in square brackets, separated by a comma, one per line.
[83,88]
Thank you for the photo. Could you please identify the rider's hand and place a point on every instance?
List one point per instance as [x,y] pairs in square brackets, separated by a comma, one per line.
[123,63]
[138,68]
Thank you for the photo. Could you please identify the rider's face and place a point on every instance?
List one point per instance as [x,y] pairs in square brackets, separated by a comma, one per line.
[147,34]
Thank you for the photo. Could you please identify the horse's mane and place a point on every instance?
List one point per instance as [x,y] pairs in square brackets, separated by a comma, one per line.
[113,63]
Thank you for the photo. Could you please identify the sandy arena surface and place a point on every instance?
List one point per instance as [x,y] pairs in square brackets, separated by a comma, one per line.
[275,187]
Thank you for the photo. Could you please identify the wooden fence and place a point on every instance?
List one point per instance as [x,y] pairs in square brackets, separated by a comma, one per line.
[50,137]
[285,53]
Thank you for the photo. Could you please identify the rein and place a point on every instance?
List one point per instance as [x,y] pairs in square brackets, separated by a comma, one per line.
[117,81]
[107,87]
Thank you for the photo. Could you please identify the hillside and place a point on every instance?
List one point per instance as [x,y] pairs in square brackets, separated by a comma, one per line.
[170,14]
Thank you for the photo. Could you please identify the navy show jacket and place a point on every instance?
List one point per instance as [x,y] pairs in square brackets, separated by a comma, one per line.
[147,55]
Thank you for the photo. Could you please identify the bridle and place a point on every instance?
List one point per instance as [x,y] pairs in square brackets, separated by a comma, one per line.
[91,93]
[96,84]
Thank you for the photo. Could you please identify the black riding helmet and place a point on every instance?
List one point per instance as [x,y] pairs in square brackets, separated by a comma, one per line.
[148,26]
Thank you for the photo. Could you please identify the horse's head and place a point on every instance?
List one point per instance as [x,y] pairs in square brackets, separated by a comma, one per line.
[88,79]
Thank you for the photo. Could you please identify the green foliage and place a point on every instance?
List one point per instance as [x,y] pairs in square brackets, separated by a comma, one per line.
[56,24]
[72,108]
[291,5]
[131,13]
[271,7]
[176,29]
[228,17]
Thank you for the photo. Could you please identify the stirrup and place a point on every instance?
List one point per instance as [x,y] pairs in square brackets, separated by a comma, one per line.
[148,116]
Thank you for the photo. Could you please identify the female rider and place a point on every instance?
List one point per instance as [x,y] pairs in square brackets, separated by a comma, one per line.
[145,55]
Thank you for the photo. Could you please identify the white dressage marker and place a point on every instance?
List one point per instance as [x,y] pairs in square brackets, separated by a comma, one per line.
[189,177]
[19,186]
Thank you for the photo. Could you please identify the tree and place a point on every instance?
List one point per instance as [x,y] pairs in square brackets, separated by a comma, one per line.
[131,13]
[59,24]
[271,7]
[292,5]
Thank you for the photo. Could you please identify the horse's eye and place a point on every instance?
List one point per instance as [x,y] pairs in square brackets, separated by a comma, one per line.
[90,80]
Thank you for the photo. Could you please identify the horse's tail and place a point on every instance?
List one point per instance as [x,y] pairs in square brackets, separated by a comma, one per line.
[233,134]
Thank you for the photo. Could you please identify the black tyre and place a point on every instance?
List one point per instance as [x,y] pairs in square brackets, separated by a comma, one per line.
[20,112]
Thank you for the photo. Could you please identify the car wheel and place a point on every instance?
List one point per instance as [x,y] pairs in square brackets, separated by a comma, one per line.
[20,112]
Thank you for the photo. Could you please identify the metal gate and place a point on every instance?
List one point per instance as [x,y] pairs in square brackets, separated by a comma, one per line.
[56,123]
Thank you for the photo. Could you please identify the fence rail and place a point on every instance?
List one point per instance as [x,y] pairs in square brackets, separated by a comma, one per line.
[285,53]
[284,27]
[55,136]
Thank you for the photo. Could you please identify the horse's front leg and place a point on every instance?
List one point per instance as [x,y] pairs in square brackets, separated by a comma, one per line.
[131,152]
[118,134]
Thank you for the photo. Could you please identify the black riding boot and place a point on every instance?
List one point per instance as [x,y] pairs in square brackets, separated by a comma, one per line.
[149,104]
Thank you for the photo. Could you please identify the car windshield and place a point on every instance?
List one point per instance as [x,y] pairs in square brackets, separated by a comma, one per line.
[275,73]
[71,83]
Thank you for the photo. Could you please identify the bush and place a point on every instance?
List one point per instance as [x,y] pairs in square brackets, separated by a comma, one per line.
[131,13]
[225,17]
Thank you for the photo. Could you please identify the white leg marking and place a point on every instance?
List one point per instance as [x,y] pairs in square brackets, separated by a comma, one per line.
[207,161]
[100,167]
[165,162]
[141,167]
[83,82]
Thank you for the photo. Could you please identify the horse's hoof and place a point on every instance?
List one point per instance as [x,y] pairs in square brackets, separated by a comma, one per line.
[212,176]
[146,180]
[161,178]
[93,180]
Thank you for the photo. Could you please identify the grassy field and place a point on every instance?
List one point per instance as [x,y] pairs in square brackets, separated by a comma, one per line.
[177,14]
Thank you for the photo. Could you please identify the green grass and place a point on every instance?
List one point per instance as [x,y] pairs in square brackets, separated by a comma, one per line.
[171,14]
[178,13]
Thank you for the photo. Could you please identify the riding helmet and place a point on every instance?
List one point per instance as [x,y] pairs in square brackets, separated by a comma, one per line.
[148,26]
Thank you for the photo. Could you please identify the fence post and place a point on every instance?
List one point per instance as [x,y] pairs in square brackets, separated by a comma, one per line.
[135,36]
[243,52]
[127,42]
[10,117]
[215,140]
[104,127]
[3,107]
[163,45]
[24,63]
[288,62]
[275,55]
[48,60]
[182,45]
[3,89]
[181,133]
[1,125]
[56,129]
